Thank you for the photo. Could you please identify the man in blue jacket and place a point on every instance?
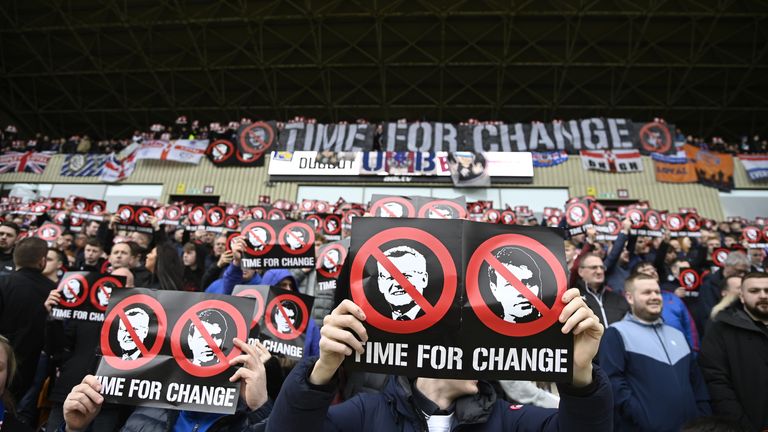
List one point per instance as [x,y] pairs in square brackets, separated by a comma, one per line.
[439,404]
[656,382]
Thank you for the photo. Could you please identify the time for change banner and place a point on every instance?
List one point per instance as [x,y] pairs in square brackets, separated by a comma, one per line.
[170,349]
[460,299]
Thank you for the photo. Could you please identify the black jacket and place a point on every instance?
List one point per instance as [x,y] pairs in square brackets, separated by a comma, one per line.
[73,346]
[734,360]
[606,304]
[22,320]
[6,262]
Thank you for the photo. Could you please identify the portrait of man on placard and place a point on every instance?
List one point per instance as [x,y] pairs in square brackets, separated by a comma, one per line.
[257,238]
[295,239]
[139,322]
[392,209]
[332,260]
[71,290]
[216,326]
[283,325]
[515,306]
[413,266]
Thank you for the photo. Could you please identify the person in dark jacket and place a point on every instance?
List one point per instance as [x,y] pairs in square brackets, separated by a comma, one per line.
[8,418]
[304,402]
[737,264]
[606,304]
[734,354]
[193,258]
[9,232]
[92,257]
[22,310]
[84,402]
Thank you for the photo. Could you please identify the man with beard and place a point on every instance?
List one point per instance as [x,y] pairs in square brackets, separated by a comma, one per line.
[733,356]
[657,385]
[9,232]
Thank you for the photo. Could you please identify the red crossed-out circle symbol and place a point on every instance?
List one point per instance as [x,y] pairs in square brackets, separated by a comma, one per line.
[614,225]
[316,221]
[221,150]
[231,222]
[307,205]
[576,214]
[254,294]
[190,318]
[173,213]
[230,239]
[259,238]
[433,313]
[125,213]
[277,306]
[484,253]
[104,286]
[321,206]
[96,207]
[675,222]
[141,217]
[70,296]
[655,137]
[81,204]
[598,213]
[351,214]
[689,279]
[692,222]
[275,214]
[49,232]
[215,216]
[751,234]
[719,256]
[765,233]
[256,138]
[119,312]
[387,207]
[332,224]
[508,217]
[653,220]
[443,209]
[258,212]
[492,216]
[197,215]
[335,269]
[290,234]
[637,217]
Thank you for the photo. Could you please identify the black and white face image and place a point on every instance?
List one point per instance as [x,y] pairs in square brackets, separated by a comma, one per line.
[295,239]
[331,260]
[413,266]
[215,325]
[72,290]
[517,308]
[391,209]
[139,322]
[282,324]
[257,237]
[103,293]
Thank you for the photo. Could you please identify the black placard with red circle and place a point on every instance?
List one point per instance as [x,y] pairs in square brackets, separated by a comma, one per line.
[436,290]
[755,236]
[85,295]
[260,293]
[278,244]
[284,324]
[646,222]
[330,259]
[170,348]
[208,217]
[689,279]
[49,232]
[135,218]
[88,209]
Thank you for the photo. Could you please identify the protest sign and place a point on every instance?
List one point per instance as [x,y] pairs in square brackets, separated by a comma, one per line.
[584,213]
[49,232]
[645,222]
[330,259]
[135,218]
[683,225]
[284,323]
[416,206]
[85,295]
[169,349]
[208,217]
[460,299]
[87,209]
[278,244]
[755,237]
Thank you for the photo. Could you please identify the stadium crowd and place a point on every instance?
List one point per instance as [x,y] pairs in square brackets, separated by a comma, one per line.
[669,358]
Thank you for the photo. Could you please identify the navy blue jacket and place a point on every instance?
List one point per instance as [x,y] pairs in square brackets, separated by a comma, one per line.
[302,407]
[656,382]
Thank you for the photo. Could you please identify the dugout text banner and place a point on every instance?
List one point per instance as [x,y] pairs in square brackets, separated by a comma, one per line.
[460,299]
[278,244]
[168,349]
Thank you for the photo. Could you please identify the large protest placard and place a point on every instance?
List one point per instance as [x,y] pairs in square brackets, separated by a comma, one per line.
[260,293]
[278,244]
[85,295]
[460,299]
[172,350]
[645,222]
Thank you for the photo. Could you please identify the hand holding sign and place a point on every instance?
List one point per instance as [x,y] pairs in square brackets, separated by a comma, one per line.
[341,335]
[578,318]
[83,404]
[252,375]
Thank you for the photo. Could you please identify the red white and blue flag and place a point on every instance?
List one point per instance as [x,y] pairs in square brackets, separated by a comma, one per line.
[31,162]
